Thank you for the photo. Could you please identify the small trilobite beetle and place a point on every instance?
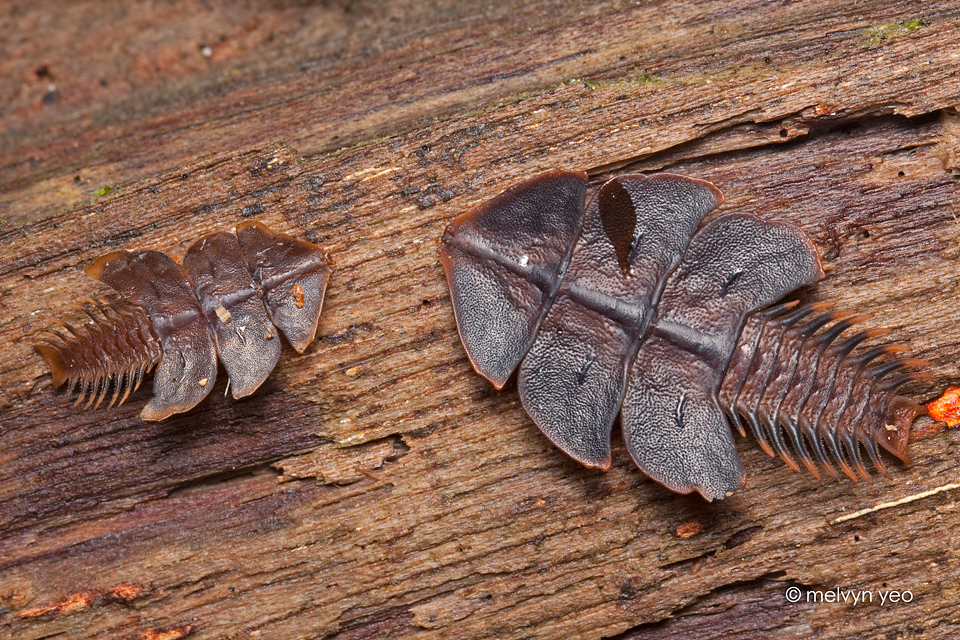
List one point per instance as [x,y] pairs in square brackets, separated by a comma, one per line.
[629,306]
[228,297]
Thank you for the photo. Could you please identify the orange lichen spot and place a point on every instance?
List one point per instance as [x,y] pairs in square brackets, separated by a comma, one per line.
[83,599]
[946,408]
[126,592]
[297,292]
[71,603]
[173,633]
[690,529]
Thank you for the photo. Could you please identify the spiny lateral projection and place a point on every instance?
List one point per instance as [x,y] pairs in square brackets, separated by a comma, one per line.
[228,298]
[623,307]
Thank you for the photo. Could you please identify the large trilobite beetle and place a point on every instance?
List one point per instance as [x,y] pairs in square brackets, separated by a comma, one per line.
[628,305]
[228,297]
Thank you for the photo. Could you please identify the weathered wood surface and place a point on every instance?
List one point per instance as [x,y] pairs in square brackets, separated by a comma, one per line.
[376,486]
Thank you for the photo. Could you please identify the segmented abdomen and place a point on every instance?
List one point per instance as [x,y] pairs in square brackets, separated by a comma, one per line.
[802,393]
[115,348]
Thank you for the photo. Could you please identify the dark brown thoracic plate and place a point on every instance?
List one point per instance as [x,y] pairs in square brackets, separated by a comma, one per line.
[229,297]
[623,307]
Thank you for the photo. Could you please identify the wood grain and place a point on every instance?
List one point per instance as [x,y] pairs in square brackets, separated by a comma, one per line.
[376,486]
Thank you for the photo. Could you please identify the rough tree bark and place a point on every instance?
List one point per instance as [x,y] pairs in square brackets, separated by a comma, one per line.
[376,486]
